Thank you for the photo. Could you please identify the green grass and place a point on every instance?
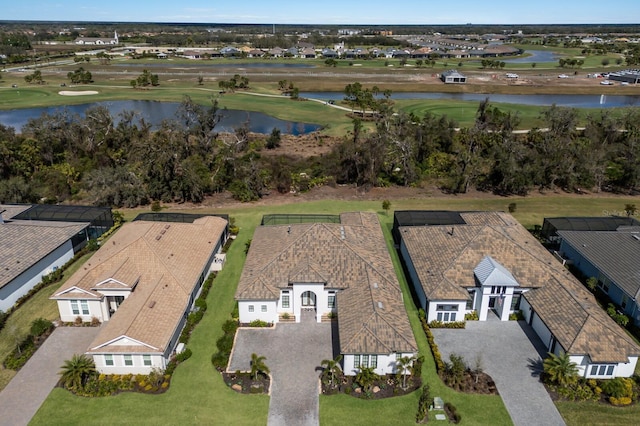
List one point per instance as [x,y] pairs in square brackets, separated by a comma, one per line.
[197,394]
[592,413]
[19,323]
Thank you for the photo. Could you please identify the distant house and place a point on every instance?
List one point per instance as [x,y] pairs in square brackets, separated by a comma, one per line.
[38,239]
[307,52]
[459,262]
[452,77]
[98,41]
[142,283]
[339,266]
[330,54]
[230,51]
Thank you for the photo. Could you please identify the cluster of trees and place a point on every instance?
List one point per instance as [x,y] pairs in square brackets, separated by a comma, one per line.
[146,79]
[80,76]
[35,77]
[236,82]
[367,100]
[571,63]
[492,63]
[121,161]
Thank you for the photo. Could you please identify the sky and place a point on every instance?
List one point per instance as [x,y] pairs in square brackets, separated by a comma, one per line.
[329,12]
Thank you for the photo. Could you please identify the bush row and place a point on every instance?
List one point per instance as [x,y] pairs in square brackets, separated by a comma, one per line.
[423,405]
[196,315]
[452,413]
[224,344]
[440,366]
[452,324]
[27,347]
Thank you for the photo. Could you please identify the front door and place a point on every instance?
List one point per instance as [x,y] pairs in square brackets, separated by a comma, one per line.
[308,300]
[492,302]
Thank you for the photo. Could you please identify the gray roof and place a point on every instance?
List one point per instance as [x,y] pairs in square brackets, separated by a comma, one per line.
[615,253]
[25,242]
[491,272]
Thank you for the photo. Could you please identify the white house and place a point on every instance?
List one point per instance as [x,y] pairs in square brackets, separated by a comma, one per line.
[99,41]
[37,240]
[459,262]
[324,269]
[141,284]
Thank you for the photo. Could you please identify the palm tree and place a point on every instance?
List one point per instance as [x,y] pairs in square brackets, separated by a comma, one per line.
[560,369]
[365,378]
[76,371]
[404,364]
[331,368]
[258,366]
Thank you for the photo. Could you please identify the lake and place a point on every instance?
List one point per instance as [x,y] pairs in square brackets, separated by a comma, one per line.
[155,112]
[536,56]
[574,101]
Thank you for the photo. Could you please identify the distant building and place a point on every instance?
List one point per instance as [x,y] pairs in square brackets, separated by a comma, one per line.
[453,76]
[98,41]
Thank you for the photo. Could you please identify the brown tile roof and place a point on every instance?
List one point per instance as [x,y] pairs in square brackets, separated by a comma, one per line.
[445,256]
[25,242]
[164,262]
[351,256]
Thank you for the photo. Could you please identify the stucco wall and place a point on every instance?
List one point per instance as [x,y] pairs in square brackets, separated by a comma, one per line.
[387,364]
[157,361]
[270,315]
[414,281]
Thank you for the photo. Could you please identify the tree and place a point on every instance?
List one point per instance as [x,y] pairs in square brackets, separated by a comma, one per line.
[331,369]
[630,209]
[386,204]
[273,141]
[366,377]
[404,364]
[605,62]
[560,370]
[533,64]
[258,366]
[76,371]
[454,371]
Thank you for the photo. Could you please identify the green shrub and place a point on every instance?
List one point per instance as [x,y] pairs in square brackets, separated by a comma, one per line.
[259,323]
[452,324]
[423,405]
[201,304]
[625,400]
[452,411]
[40,326]
[472,316]
[230,326]
[20,355]
[220,360]
[184,355]
[618,388]
[225,343]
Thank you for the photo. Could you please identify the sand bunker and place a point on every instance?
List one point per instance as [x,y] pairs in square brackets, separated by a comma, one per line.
[78,93]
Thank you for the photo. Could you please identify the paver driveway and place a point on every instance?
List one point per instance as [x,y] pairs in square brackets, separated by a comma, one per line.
[294,353]
[24,394]
[511,354]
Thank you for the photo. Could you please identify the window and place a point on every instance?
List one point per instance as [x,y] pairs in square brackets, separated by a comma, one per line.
[356,361]
[263,308]
[128,360]
[146,360]
[85,307]
[74,307]
[515,301]
[250,308]
[601,370]
[498,289]
[398,356]
[332,301]
[625,300]
[108,360]
[373,361]
[470,301]
[446,312]
[285,301]
[365,361]
[603,283]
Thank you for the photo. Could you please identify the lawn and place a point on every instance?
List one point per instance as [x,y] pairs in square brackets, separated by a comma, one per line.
[199,391]
[19,323]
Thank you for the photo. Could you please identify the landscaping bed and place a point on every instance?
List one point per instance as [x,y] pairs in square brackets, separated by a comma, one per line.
[244,383]
[383,387]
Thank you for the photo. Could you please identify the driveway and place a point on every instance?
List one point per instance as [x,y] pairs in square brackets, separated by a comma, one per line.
[28,389]
[511,354]
[293,354]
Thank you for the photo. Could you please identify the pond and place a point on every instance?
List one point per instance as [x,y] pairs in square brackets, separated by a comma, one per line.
[574,101]
[535,56]
[155,112]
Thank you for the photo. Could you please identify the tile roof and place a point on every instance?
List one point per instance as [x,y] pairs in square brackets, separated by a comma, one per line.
[25,242]
[351,256]
[163,261]
[444,258]
[615,253]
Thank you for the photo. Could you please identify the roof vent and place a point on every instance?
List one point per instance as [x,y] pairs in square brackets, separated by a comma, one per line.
[380,305]
[289,229]
[342,235]
[375,285]
[158,237]
[152,304]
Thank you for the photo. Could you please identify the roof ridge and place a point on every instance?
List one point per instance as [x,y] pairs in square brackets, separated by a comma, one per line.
[383,318]
[146,301]
[165,266]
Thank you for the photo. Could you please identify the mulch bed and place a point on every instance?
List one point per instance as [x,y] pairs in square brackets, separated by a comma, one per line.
[480,383]
[386,387]
[244,383]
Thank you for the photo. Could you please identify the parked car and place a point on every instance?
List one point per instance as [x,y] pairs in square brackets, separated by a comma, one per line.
[606,83]
[563,76]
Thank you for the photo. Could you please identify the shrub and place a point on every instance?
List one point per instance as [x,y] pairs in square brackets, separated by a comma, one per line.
[258,323]
[452,412]
[618,388]
[184,355]
[78,320]
[201,304]
[516,316]
[225,343]
[95,322]
[472,316]
[452,324]
[625,400]
[512,207]
[40,326]
[220,360]
[230,326]
[423,405]
[3,319]
[286,316]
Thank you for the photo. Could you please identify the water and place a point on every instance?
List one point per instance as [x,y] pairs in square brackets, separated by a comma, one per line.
[574,101]
[537,56]
[155,112]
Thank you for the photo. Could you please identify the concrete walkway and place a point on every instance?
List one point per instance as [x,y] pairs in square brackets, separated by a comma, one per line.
[28,389]
[511,354]
[293,354]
